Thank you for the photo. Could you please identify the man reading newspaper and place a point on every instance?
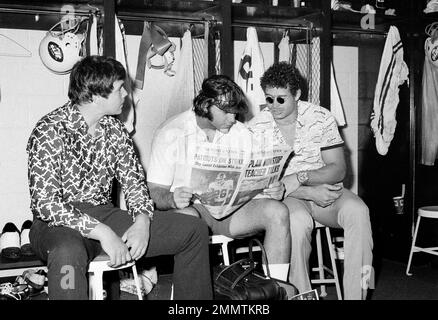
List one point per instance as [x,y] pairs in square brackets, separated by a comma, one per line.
[209,135]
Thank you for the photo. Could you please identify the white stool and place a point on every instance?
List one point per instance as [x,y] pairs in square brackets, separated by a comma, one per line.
[95,276]
[321,269]
[223,241]
[426,212]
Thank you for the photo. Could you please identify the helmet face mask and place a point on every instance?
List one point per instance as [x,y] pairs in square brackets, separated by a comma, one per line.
[59,51]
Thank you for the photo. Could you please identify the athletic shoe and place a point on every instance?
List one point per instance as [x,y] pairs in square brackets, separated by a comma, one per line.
[8,291]
[35,279]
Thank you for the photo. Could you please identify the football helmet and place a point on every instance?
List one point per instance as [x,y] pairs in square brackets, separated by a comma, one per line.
[60,50]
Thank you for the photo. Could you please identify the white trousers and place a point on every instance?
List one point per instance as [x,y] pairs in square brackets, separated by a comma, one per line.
[351,214]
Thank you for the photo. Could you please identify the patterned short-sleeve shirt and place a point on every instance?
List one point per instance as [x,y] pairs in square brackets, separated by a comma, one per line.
[316,129]
[67,165]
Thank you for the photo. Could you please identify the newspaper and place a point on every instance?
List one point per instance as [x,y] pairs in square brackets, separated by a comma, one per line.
[224,179]
[308,295]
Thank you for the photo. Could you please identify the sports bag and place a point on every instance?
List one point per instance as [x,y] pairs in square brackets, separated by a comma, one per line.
[240,280]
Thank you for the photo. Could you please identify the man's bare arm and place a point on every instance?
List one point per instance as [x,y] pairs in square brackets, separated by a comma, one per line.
[161,196]
[333,172]
[164,199]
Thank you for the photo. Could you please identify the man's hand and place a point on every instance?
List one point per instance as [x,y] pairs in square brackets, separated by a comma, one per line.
[291,183]
[112,244]
[275,191]
[325,194]
[137,236]
[182,197]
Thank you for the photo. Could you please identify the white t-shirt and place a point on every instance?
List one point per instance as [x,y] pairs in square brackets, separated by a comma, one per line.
[175,143]
[316,129]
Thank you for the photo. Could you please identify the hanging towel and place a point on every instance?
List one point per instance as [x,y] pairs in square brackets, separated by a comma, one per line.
[429,114]
[182,93]
[217,50]
[92,40]
[200,58]
[128,113]
[251,68]
[284,49]
[335,100]
[392,73]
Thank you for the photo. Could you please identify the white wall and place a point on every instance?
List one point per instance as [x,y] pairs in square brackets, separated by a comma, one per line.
[28,91]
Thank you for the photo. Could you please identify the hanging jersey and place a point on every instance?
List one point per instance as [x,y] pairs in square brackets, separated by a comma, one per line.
[429,114]
[392,73]
[251,69]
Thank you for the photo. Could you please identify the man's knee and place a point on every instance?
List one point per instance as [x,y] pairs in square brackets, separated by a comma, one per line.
[68,252]
[355,211]
[277,213]
[301,224]
[194,226]
[190,211]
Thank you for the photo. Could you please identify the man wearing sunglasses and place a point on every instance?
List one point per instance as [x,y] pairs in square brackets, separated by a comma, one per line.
[313,179]
[212,121]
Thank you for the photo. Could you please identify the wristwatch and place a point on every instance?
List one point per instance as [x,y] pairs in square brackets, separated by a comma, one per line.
[302,177]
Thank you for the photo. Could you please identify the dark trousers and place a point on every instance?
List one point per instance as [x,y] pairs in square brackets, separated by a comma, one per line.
[68,253]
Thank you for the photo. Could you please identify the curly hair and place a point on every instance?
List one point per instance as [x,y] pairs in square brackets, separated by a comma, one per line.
[221,91]
[282,75]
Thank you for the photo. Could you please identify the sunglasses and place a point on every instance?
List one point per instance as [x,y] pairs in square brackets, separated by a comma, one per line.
[280,100]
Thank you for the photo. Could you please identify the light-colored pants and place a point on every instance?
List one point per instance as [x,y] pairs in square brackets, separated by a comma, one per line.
[350,213]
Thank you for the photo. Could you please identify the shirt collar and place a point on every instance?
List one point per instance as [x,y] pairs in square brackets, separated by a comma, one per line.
[76,121]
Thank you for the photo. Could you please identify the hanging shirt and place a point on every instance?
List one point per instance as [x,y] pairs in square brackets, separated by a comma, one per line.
[284,49]
[392,73]
[251,69]
[66,164]
[429,114]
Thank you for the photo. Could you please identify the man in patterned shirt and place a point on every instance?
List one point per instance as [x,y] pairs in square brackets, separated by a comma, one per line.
[313,179]
[75,153]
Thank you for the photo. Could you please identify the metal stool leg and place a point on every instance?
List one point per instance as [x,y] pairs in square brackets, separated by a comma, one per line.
[332,258]
[320,261]
[413,247]
[96,285]
[137,282]
[225,254]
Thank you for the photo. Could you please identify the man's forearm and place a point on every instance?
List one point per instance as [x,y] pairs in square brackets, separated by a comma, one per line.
[329,174]
[301,193]
[162,198]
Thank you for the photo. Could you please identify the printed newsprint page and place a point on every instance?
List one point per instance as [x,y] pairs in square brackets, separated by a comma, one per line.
[224,179]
